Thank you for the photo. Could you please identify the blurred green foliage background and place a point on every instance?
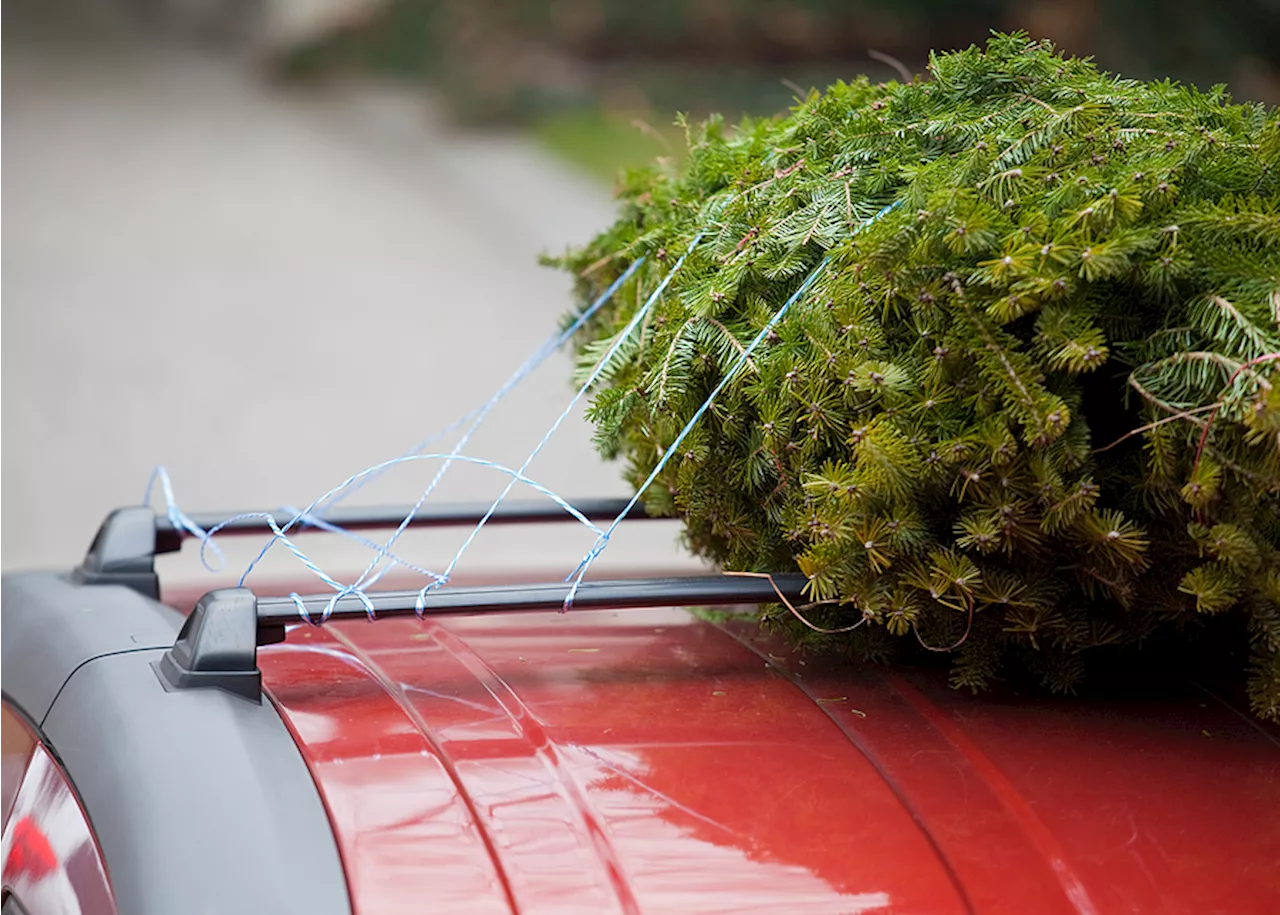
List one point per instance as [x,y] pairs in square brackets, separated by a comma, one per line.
[599,80]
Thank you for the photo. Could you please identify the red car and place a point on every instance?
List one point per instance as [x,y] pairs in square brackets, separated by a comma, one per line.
[629,756]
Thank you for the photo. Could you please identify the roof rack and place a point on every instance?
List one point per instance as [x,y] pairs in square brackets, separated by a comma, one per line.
[169,538]
[218,645]
[126,545]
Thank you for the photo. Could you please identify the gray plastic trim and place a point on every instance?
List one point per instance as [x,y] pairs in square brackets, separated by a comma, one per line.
[217,647]
[52,626]
[201,801]
[123,552]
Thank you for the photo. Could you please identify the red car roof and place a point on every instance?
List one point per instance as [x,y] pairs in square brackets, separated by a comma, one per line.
[647,761]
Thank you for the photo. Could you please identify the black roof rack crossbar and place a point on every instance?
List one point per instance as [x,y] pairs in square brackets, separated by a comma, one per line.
[124,550]
[696,591]
[218,644]
[169,538]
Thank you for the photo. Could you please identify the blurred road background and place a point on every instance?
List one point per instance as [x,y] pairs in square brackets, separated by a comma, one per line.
[264,291]
[267,243]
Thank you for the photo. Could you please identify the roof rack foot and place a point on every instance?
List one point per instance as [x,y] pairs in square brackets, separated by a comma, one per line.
[123,553]
[218,646]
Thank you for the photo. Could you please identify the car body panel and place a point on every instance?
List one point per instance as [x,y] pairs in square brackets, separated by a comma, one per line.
[58,625]
[649,761]
[52,862]
[628,761]
[18,741]
[1166,803]
[201,799]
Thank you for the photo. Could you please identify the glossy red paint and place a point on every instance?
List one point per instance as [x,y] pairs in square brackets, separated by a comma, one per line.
[51,860]
[646,761]
[636,761]
[17,742]
[31,858]
[1160,805]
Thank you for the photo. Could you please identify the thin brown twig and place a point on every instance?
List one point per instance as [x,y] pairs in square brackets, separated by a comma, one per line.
[1157,402]
[592,268]
[1043,104]
[907,75]
[796,613]
[1221,458]
[967,629]
[648,130]
[1199,356]
[1181,414]
[801,95]
[1204,435]
[1217,456]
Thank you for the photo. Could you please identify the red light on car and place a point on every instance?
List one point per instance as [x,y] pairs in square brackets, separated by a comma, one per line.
[30,856]
[52,862]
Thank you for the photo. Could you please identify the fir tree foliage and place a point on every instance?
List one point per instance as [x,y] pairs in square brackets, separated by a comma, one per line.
[1030,405]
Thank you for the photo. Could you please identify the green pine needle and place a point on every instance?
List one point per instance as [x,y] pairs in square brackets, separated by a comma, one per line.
[1030,411]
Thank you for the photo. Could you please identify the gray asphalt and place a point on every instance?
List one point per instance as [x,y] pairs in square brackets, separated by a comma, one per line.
[267,291]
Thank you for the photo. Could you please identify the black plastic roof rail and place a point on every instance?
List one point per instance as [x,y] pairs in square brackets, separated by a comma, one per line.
[694,591]
[218,644]
[126,545]
[169,538]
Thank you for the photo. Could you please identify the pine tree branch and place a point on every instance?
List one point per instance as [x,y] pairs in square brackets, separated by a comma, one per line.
[932,428]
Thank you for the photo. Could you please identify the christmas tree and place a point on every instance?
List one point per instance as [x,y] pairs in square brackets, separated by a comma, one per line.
[992,357]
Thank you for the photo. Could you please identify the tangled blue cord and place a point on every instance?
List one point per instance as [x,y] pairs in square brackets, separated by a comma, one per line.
[537,449]
[550,346]
[321,524]
[602,541]
[476,417]
[312,515]
[178,519]
[184,522]
[341,590]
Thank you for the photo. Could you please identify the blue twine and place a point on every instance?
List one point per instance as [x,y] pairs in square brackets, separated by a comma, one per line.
[311,518]
[586,386]
[311,515]
[280,535]
[323,525]
[603,541]
[552,344]
[180,520]
[476,417]
[548,347]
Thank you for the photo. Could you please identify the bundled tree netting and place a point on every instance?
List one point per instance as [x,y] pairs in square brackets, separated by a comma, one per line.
[1027,401]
